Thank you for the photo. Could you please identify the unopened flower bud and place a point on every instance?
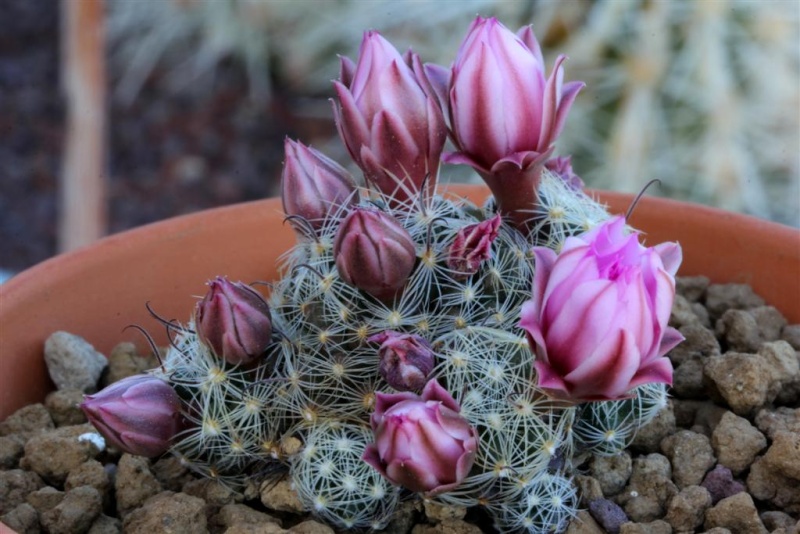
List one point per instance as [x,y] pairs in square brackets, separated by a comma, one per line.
[472,245]
[422,442]
[374,253]
[406,360]
[234,320]
[138,415]
[562,167]
[313,186]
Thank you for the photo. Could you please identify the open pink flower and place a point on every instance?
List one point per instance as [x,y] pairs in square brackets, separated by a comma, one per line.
[421,442]
[598,318]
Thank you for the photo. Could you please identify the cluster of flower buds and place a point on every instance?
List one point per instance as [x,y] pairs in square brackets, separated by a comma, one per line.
[234,321]
[393,130]
[421,441]
[139,415]
[374,253]
[313,185]
[406,360]
[598,318]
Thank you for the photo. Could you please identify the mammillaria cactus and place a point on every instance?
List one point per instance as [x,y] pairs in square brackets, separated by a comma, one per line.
[536,323]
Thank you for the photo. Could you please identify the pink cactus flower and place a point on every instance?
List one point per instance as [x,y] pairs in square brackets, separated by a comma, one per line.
[422,443]
[234,320]
[472,245]
[391,128]
[504,115]
[406,360]
[313,186]
[562,167]
[138,415]
[374,253]
[597,322]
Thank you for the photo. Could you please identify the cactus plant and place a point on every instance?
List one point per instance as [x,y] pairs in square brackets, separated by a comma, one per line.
[396,286]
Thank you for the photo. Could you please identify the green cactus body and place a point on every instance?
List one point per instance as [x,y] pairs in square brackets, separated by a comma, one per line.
[318,381]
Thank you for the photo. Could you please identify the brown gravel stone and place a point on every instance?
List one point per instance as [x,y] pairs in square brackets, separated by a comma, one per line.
[281,497]
[75,513]
[167,512]
[584,523]
[653,527]
[765,484]
[124,361]
[700,341]
[63,406]
[105,525]
[91,474]
[134,483]
[783,456]
[703,318]
[791,334]
[11,449]
[72,362]
[691,457]
[782,362]
[649,489]
[737,513]
[774,520]
[686,511]
[171,473]
[781,419]
[693,288]
[27,421]
[743,380]
[23,519]
[588,489]
[612,472]
[453,526]
[722,297]
[15,485]
[770,322]
[253,528]
[53,454]
[311,527]
[688,380]
[234,514]
[649,436]
[736,442]
[437,512]
[45,498]
[682,313]
[739,331]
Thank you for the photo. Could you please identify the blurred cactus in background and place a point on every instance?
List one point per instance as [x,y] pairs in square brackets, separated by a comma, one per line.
[703,96]
[417,343]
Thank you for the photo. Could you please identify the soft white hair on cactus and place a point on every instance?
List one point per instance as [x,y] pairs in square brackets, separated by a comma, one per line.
[546,503]
[334,482]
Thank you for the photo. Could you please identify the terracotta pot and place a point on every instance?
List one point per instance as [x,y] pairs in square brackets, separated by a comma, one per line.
[99,290]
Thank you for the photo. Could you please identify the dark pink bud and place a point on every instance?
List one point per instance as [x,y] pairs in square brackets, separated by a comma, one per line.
[393,130]
[406,360]
[233,319]
[421,441]
[472,245]
[313,185]
[374,253]
[562,167]
[138,415]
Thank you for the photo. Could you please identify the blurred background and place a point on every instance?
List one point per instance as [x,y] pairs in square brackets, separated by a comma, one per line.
[116,113]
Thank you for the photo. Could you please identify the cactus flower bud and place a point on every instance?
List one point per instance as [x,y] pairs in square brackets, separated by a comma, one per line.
[313,186]
[138,415]
[562,167]
[374,253]
[472,245]
[234,320]
[393,130]
[505,115]
[422,443]
[598,318]
[406,360]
